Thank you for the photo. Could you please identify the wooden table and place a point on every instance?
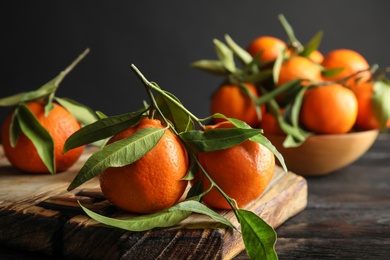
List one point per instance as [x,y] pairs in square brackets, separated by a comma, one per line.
[348,213]
[347,216]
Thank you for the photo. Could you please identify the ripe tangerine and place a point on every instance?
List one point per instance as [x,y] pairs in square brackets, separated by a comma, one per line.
[152,183]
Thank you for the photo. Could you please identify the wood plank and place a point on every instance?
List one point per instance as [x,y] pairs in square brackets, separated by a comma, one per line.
[40,205]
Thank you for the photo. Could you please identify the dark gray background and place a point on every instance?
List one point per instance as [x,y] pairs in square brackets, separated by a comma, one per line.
[40,38]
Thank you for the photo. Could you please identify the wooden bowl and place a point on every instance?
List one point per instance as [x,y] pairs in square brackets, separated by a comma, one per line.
[323,154]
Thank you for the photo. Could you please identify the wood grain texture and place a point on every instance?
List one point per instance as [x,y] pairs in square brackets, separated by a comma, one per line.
[348,213]
[37,214]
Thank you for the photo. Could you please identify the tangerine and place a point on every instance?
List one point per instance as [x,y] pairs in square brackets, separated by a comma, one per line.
[330,109]
[231,101]
[351,62]
[270,125]
[316,56]
[298,67]
[270,47]
[59,123]
[152,183]
[366,119]
[243,171]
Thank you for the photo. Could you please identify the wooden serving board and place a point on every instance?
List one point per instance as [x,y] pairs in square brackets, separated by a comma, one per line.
[38,214]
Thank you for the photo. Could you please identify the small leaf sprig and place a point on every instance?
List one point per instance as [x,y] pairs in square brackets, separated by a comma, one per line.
[258,236]
[24,121]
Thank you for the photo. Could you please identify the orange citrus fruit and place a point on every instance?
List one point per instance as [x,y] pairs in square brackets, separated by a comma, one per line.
[59,123]
[316,56]
[152,183]
[270,47]
[270,125]
[298,67]
[231,101]
[351,62]
[329,109]
[365,118]
[243,171]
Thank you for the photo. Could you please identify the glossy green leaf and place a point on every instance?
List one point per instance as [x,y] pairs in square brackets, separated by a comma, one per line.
[286,87]
[312,45]
[118,154]
[38,135]
[49,104]
[195,190]
[47,90]
[296,107]
[292,39]
[166,218]
[276,68]
[192,170]
[259,139]
[241,53]
[12,100]
[83,114]
[259,238]
[212,66]
[225,55]
[217,139]
[331,72]
[172,110]
[381,104]
[143,222]
[101,129]
[14,130]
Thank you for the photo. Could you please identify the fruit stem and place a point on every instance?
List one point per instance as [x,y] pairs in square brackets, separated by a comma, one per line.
[72,65]
[229,200]
[293,41]
[152,86]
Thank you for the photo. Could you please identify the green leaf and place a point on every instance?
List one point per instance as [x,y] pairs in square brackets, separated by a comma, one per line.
[119,154]
[83,114]
[14,130]
[102,115]
[192,170]
[241,53]
[101,129]
[289,86]
[312,45]
[276,68]
[38,135]
[212,66]
[166,218]
[381,103]
[49,104]
[217,139]
[259,238]
[293,41]
[195,190]
[12,100]
[259,139]
[225,55]
[174,113]
[143,222]
[331,72]
[47,90]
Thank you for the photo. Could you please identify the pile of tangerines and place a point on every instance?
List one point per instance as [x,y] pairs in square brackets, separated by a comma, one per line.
[286,88]
[148,158]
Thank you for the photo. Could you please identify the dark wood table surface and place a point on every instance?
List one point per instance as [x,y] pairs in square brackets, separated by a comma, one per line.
[347,216]
[348,213]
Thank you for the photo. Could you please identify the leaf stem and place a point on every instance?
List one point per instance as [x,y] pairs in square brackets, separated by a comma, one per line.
[152,86]
[229,200]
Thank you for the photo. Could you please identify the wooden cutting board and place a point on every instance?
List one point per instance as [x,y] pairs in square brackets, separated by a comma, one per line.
[38,214]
